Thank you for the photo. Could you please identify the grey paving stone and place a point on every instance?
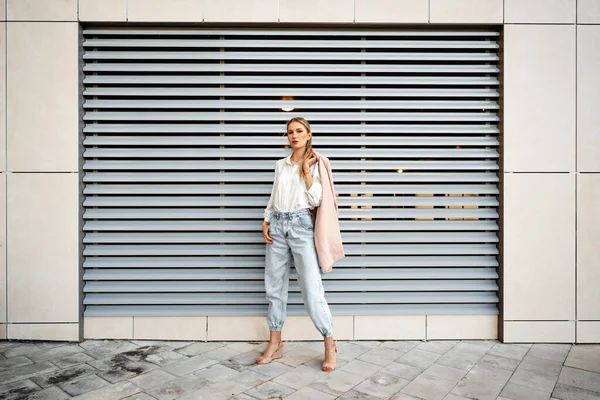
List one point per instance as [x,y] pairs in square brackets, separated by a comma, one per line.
[222,353]
[401,345]
[152,379]
[319,346]
[21,349]
[566,392]
[350,351]
[298,356]
[444,372]
[196,348]
[488,344]
[51,393]
[308,393]
[147,343]
[26,372]
[117,391]
[119,368]
[508,351]
[141,396]
[217,372]
[270,390]
[482,382]
[419,358]
[500,362]
[429,387]
[451,396]
[83,384]
[14,362]
[355,395]
[90,344]
[403,396]
[72,360]
[581,379]
[189,365]
[55,353]
[456,362]
[177,387]
[438,347]
[242,361]
[337,382]
[403,370]
[548,351]
[537,373]
[18,390]
[299,377]
[361,368]
[381,385]
[5,344]
[64,375]
[110,349]
[317,363]
[584,358]
[517,392]
[381,356]
[155,354]
[241,396]
[226,388]
[273,369]
[367,343]
[51,344]
[243,347]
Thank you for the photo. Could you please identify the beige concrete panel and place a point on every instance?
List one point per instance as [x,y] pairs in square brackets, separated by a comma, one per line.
[539,98]
[2,96]
[108,327]
[164,11]
[43,257]
[2,247]
[588,11]
[588,102]
[3,332]
[539,331]
[539,246]
[404,327]
[539,11]
[42,96]
[316,11]
[238,328]
[466,11]
[54,332]
[302,328]
[440,327]
[392,11]
[41,10]
[588,331]
[103,10]
[241,11]
[169,328]
[3,10]
[588,237]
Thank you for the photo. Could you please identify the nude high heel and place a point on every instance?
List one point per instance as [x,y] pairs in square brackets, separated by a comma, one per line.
[329,366]
[262,360]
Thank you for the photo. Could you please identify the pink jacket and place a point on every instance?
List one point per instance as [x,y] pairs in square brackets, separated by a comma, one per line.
[328,239]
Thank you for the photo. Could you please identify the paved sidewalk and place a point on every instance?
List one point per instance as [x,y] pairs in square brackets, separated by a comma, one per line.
[398,370]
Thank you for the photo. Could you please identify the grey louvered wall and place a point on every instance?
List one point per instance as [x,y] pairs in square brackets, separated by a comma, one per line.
[182,131]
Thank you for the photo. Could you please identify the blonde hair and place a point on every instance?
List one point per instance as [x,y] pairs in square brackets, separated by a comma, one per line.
[308,149]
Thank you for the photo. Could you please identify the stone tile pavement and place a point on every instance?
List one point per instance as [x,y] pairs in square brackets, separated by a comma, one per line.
[367,370]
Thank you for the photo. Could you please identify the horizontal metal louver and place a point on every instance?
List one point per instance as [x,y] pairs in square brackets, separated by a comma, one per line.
[182,131]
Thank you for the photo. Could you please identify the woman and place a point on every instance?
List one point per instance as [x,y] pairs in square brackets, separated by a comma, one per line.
[289,233]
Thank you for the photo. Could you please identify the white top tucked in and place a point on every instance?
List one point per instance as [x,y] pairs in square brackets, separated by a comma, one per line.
[289,192]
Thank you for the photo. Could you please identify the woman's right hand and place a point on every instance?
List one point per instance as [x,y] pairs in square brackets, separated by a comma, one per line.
[265,228]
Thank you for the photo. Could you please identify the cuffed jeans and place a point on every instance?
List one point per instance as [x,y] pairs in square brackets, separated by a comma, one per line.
[293,240]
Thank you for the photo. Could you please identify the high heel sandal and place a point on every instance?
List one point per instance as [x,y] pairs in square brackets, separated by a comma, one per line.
[262,360]
[329,366]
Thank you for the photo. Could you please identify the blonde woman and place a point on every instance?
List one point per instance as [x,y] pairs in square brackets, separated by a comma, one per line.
[288,232]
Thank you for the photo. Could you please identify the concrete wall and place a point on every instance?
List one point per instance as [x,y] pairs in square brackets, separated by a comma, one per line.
[551,175]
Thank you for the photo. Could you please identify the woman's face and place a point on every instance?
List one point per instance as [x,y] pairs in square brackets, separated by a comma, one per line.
[297,135]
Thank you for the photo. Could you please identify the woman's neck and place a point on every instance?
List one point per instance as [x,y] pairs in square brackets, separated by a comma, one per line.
[297,155]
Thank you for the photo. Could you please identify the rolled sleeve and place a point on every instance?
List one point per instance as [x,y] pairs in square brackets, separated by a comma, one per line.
[315,193]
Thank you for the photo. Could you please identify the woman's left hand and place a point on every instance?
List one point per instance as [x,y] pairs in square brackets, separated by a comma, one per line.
[309,162]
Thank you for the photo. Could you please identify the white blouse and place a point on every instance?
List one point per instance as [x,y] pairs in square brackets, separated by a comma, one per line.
[289,192]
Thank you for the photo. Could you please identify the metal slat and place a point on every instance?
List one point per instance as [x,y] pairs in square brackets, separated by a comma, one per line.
[300,104]
[290,91]
[251,225]
[257,238]
[294,44]
[140,262]
[271,67]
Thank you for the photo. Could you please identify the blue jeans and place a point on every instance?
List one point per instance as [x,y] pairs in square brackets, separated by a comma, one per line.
[293,243]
